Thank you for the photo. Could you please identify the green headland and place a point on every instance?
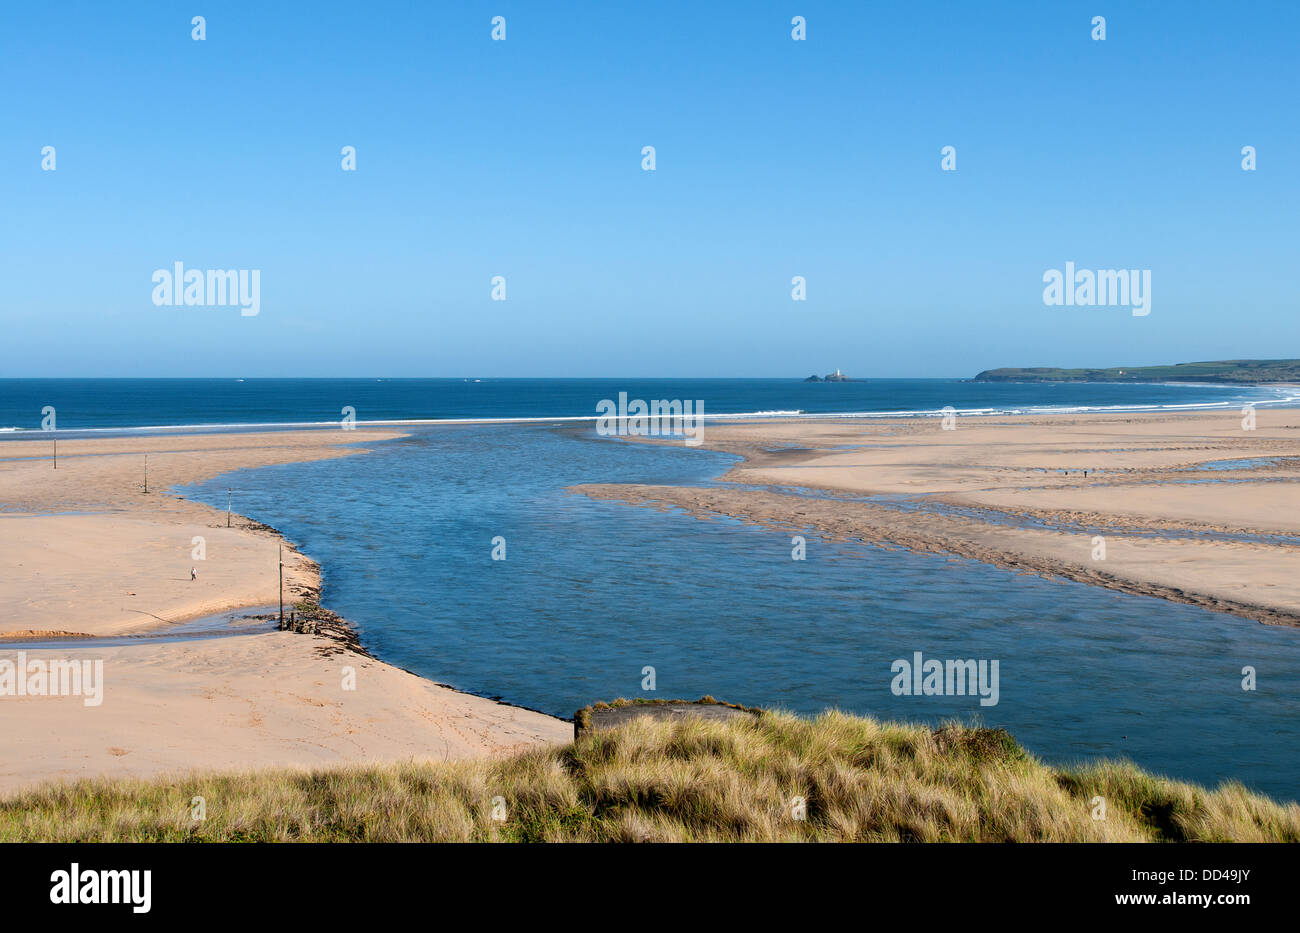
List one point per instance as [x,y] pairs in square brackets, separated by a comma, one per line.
[1239,371]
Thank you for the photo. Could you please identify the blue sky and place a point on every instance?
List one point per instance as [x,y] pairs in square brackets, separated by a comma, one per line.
[522,158]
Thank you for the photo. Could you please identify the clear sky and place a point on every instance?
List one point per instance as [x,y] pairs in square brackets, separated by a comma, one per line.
[522,158]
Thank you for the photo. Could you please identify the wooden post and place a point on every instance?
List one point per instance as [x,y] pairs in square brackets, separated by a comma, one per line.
[56,452]
[282,586]
[146,474]
[227,508]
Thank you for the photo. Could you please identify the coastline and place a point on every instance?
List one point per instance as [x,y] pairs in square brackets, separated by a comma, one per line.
[91,556]
[1010,491]
[1003,490]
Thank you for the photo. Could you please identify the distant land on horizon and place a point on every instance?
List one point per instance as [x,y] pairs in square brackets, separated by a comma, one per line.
[1233,371]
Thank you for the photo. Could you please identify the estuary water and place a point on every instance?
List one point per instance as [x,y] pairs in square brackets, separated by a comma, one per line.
[591,594]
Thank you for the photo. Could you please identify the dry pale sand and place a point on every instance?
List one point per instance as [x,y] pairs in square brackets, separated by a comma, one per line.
[249,701]
[85,550]
[1011,492]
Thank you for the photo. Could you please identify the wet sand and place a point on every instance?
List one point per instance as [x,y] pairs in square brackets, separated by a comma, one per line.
[1011,491]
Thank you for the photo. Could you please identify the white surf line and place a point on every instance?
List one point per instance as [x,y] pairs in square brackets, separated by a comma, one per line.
[267,426]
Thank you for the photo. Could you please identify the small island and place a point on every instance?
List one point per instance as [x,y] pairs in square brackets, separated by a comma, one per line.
[836,376]
[1250,372]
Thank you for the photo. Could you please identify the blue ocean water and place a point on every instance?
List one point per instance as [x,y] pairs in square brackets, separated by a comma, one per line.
[591,593]
[96,404]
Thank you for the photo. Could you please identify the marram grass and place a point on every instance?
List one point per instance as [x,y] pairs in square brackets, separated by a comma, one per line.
[859,780]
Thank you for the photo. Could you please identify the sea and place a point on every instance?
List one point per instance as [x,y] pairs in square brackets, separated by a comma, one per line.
[460,553]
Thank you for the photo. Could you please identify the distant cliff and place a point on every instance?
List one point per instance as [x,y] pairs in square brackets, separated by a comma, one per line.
[1240,371]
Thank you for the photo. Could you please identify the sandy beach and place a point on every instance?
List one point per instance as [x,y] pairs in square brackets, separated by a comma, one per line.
[1012,491]
[85,551]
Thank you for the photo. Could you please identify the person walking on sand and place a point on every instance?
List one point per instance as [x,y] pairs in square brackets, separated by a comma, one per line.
[194,574]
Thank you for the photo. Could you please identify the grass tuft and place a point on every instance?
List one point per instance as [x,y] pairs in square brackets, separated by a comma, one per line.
[772,778]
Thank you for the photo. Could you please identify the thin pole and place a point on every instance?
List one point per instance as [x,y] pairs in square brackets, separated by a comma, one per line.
[227,508]
[282,586]
[56,452]
[146,474]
